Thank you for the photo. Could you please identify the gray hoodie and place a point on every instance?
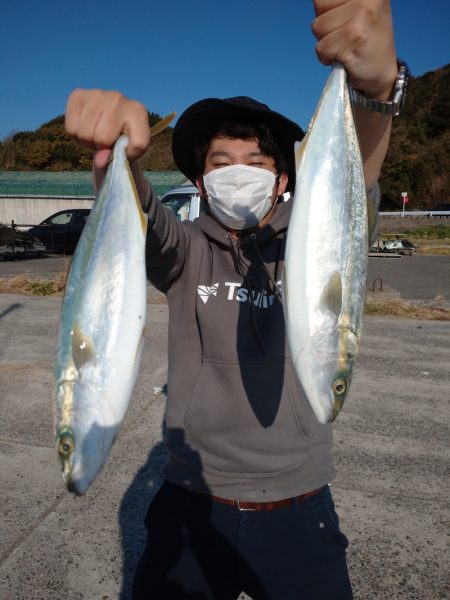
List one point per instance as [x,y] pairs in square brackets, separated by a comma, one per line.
[237,421]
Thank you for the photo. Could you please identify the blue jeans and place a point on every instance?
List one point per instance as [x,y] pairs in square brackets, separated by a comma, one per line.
[201,549]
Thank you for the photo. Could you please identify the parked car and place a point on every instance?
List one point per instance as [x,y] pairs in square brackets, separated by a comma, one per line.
[61,231]
[184,201]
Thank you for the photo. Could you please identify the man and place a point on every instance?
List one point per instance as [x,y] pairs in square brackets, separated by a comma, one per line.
[245,505]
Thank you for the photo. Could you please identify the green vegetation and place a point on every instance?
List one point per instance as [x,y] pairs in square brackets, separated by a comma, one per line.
[49,148]
[42,288]
[418,159]
[439,232]
[430,239]
[33,286]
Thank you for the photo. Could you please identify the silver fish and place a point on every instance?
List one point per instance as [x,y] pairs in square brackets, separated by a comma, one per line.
[327,252]
[102,320]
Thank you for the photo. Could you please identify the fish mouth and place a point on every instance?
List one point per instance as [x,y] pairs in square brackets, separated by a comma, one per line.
[77,476]
[71,487]
[72,482]
[337,406]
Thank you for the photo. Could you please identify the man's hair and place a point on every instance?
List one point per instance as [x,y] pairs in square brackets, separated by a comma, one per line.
[235,130]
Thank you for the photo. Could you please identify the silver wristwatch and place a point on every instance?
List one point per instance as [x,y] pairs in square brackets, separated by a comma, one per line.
[388,108]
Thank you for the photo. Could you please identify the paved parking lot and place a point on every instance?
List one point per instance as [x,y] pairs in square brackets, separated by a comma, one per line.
[391,452]
[418,276]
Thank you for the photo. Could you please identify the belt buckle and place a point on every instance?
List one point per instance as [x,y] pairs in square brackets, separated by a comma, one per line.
[239,507]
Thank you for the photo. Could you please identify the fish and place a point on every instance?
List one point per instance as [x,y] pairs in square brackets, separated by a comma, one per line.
[327,252]
[101,331]
[100,339]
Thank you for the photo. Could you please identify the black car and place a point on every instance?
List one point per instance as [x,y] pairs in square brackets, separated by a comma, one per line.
[61,231]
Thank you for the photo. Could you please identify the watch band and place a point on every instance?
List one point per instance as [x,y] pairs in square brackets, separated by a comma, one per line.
[392,107]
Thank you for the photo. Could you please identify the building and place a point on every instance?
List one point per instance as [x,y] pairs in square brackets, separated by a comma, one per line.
[29,197]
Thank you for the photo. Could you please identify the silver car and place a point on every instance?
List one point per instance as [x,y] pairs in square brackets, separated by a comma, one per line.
[185,202]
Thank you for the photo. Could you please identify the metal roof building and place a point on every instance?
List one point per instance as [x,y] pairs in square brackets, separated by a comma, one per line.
[72,183]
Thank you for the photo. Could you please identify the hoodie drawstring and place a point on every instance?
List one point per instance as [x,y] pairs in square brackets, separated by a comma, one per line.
[239,266]
[275,285]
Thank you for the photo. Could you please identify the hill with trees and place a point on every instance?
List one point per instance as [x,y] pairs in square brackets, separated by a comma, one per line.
[49,148]
[418,160]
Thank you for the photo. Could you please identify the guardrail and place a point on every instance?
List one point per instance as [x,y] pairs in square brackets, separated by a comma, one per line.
[417,213]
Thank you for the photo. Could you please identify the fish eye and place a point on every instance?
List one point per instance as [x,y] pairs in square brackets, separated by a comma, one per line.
[66,445]
[339,387]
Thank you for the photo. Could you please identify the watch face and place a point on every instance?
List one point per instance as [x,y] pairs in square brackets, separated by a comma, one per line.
[400,87]
[403,69]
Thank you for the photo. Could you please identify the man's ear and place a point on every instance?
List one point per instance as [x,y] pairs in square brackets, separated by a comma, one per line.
[282,183]
[200,186]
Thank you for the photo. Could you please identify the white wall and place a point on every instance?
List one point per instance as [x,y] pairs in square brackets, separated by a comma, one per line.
[35,209]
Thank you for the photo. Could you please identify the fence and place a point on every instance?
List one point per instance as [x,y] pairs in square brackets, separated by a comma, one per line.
[14,242]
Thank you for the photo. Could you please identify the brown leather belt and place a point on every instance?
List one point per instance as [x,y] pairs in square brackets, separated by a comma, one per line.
[242,505]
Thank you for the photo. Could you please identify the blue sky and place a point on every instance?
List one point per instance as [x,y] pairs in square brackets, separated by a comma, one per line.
[171,53]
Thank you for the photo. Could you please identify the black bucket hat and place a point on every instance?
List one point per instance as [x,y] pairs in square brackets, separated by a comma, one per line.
[203,115]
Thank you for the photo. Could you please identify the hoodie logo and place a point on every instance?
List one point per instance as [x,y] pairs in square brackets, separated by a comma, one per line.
[205,291]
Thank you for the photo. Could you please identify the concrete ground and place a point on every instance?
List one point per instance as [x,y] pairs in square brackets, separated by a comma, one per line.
[391,453]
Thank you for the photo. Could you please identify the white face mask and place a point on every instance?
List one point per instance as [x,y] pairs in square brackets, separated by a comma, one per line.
[239,196]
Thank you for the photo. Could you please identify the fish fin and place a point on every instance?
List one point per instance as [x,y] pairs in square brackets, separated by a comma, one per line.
[83,350]
[161,125]
[139,349]
[142,216]
[298,151]
[372,216]
[331,299]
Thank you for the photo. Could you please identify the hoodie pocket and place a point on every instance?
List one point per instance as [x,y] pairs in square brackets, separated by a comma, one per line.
[241,418]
